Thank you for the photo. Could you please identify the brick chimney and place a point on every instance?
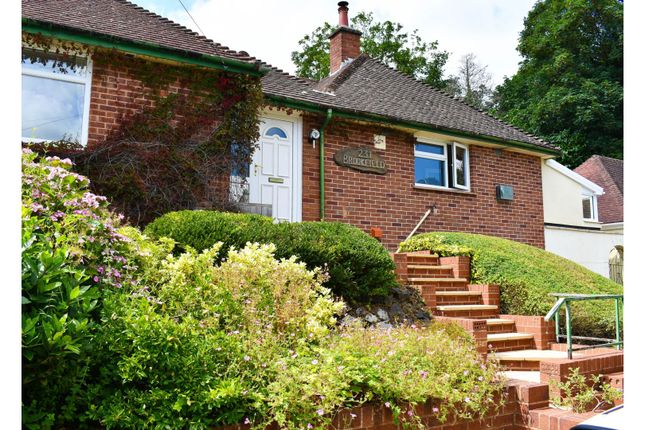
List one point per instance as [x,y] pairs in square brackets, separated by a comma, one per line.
[345,42]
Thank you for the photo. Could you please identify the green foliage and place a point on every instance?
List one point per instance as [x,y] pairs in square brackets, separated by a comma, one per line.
[71,252]
[569,87]
[385,41]
[580,394]
[357,265]
[254,340]
[526,275]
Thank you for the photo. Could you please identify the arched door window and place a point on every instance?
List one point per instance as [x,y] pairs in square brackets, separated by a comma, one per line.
[616,264]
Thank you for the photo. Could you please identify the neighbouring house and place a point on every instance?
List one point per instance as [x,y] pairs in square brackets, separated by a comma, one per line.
[608,173]
[573,220]
[368,145]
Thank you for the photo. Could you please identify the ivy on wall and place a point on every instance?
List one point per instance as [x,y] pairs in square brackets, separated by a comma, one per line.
[175,151]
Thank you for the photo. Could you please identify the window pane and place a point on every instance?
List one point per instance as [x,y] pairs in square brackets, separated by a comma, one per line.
[460,165]
[51,109]
[586,208]
[430,149]
[275,131]
[429,172]
[33,59]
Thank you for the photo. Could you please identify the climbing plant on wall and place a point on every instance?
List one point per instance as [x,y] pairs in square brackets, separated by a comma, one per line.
[175,150]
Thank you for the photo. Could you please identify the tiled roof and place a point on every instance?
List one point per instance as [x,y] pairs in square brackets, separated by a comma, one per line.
[368,86]
[127,21]
[608,173]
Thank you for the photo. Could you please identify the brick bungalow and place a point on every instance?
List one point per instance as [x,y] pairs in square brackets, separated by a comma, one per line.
[393,149]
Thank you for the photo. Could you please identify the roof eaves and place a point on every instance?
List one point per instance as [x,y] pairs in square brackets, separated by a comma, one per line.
[597,189]
[366,116]
[63,32]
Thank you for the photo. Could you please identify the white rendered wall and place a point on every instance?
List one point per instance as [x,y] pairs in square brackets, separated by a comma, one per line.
[588,248]
[562,199]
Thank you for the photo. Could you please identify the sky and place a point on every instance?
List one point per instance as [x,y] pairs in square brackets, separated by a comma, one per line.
[270,29]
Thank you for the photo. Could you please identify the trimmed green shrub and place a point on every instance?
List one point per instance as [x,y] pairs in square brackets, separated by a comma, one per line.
[359,267]
[526,275]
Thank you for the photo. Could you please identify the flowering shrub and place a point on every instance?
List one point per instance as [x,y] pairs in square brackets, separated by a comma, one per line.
[70,252]
[255,340]
[199,343]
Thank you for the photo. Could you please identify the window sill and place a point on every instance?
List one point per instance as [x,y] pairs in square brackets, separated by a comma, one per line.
[444,190]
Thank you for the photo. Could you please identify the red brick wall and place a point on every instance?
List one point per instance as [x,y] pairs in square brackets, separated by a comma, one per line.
[392,203]
[117,94]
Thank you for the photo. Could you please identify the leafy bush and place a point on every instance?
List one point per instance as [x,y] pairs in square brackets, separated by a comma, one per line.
[253,340]
[357,265]
[526,275]
[71,251]
[581,394]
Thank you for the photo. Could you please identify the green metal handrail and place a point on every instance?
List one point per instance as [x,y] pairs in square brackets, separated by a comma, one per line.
[565,300]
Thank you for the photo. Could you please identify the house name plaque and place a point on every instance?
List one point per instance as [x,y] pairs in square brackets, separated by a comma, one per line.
[362,159]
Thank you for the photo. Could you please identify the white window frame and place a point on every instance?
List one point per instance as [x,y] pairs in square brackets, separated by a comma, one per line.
[466,186]
[85,80]
[427,155]
[593,203]
[452,172]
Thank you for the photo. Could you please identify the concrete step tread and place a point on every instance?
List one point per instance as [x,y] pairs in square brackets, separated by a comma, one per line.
[498,337]
[498,321]
[439,279]
[465,307]
[533,355]
[459,293]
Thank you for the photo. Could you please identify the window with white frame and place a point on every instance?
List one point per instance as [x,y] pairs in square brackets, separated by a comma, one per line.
[55,96]
[589,209]
[441,165]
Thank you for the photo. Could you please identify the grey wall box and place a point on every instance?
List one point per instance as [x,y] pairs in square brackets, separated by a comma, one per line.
[504,192]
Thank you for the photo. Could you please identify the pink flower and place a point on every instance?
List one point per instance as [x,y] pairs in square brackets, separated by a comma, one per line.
[309,426]
[410,413]
[96,278]
[247,358]
[314,362]
[352,415]
[247,421]
[435,409]
[387,404]
[320,412]
[467,399]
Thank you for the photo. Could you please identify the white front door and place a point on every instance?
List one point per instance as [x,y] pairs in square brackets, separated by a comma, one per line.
[271,173]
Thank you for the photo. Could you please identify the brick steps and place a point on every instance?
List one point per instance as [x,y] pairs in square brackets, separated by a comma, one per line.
[458,297]
[500,325]
[510,341]
[528,359]
[420,270]
[468,311]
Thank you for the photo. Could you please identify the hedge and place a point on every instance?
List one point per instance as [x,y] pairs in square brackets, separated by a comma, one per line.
[526,275]
[359,267]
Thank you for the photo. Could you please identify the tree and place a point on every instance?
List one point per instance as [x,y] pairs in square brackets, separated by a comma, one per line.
[569,87]
[473,82]
[384,41]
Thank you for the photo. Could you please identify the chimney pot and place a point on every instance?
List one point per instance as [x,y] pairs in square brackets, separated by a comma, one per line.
[343,19]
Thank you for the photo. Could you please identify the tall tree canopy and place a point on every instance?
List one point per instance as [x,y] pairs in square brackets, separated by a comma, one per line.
[473,83]
[569,87]
[385,41]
